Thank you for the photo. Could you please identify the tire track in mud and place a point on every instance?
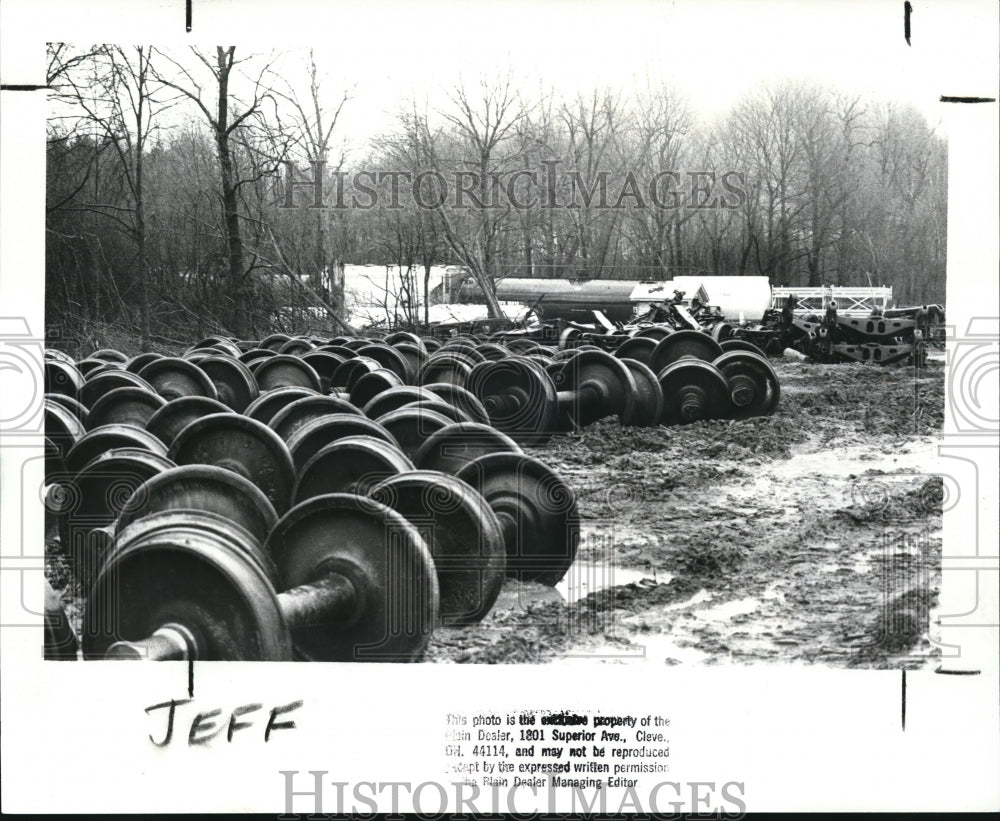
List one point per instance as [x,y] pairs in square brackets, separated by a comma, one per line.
[747,541]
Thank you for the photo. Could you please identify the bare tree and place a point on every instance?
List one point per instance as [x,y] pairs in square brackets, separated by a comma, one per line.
[183,225]
[594,124]
[481,123]
[762,133]
[656,147]
[228,115]
[120,101]
[317,126]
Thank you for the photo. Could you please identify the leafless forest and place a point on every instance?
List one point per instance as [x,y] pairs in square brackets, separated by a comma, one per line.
[167,174]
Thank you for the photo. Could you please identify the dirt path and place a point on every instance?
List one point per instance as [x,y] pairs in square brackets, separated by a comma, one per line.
[812,536]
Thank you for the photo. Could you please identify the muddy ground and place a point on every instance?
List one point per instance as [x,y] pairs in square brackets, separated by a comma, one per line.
[812,536]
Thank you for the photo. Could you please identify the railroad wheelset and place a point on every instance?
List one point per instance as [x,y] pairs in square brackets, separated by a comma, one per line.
[693,390]
[411,425]
[126,406]
[348,592]
[523,399]
[753,384]
[732,384]
[680,345]
[192,579]
[536,509]
[247,451]
[199,567]
[96,494]
[173,377]
[659,378]
[302,498]
[302,411]
[242,445]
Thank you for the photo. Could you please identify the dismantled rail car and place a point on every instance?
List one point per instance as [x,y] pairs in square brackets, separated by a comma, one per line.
[828,324]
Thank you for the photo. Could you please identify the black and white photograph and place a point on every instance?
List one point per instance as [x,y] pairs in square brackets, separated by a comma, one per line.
[630,368]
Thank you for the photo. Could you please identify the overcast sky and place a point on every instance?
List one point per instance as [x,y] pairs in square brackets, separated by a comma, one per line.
[712,52]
